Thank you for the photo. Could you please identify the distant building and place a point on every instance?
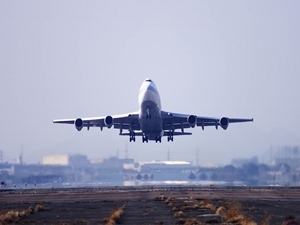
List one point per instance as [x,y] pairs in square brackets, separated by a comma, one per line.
[241,161]
[66,160]
[78,161]
[62,160]
[7,169]
[158,166]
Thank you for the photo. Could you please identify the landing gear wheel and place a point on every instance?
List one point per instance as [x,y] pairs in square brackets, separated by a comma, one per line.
[132,138]
[145,139]
[158,139]
[170,138]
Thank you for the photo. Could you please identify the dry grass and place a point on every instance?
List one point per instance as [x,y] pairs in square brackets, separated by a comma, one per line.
[178,214]
[248,221]
[30,210]
[169,199]
[266,221]
[39,208]
[233,214]
[115,215]
[205,205]
[191,221]
[160,198]
[222,212]
[233,210]
[14,216]
[80,221]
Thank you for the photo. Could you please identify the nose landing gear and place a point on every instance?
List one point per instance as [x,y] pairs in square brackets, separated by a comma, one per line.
[158,139]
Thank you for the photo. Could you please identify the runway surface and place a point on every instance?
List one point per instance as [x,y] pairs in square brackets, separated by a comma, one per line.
[151,205]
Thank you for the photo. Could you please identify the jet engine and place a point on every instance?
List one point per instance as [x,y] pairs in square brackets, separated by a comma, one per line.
[79,124]
[192,120]
[224,122]
[108,121]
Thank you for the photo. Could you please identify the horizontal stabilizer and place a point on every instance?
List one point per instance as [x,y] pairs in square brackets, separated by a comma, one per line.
[177,133]
[135,133]
[165,134]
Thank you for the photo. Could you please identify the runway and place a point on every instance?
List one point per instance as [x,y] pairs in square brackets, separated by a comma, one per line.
[150,205]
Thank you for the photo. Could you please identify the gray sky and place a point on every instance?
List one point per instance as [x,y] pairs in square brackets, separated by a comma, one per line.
[68,59]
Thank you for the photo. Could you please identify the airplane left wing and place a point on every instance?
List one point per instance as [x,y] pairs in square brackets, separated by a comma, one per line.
[125,121]
[173,121]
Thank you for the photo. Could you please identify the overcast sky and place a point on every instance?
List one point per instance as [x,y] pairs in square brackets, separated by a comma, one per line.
[69,59]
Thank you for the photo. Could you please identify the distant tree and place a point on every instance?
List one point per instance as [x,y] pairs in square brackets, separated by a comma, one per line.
[264,167]
[229,168]
[250,169]
[240,174]
[286,168]
[139,177]
[214,176]
[192,176]
[203,176]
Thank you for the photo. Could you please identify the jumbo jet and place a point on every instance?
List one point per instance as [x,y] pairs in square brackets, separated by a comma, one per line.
[150,121]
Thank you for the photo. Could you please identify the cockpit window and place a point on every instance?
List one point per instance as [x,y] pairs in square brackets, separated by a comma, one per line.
[149,80]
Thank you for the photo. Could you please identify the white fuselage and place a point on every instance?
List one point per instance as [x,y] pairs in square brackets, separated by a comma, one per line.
[150,111]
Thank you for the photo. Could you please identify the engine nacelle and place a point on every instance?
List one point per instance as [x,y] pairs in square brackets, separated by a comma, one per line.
[78,124]
[108,121]
[192,120]
[224,122]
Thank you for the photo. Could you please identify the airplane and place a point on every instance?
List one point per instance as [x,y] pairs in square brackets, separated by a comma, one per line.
[150,121]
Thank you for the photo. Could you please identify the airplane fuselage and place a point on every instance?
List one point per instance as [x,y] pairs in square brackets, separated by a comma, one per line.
[150,112]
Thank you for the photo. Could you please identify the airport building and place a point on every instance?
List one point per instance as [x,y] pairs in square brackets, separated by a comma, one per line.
[66,160]
[158,166]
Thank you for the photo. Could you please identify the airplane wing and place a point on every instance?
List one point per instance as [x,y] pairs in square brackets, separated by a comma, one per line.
[173,121]
[125,121]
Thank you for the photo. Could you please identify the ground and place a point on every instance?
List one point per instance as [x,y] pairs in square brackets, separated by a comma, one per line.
[151,205]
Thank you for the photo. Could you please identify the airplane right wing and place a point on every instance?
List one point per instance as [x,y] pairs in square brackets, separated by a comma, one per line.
[173,121]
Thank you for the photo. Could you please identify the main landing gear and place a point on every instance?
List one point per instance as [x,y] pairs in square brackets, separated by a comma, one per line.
[170,138]
[145,139]
[132,137]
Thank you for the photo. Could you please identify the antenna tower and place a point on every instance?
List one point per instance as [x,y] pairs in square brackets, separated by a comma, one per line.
[1,156]
[126,151]
[197,157]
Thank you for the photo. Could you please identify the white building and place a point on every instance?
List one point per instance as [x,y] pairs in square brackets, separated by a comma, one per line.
[62,160]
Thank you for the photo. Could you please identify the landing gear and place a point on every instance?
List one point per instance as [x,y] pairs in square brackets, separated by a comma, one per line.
[132,137]
[170,138]
[158,139]
[145,139]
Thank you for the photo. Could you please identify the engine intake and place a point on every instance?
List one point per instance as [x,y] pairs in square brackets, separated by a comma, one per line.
[192,120]
[79,124]
[108,121]
[224,122]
